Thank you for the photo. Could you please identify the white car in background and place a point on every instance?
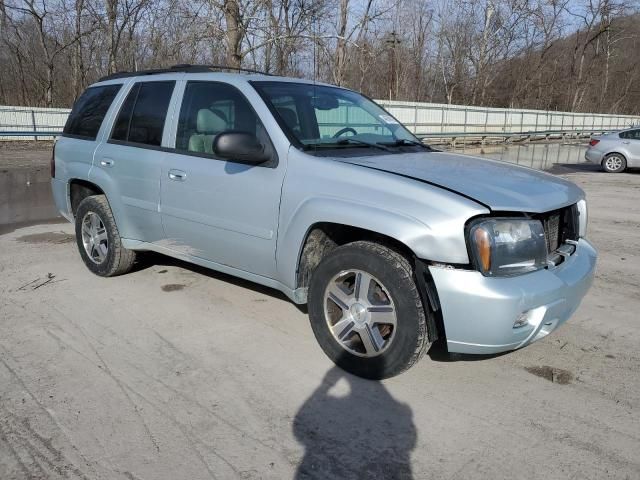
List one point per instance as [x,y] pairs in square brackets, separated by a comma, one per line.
[615,151]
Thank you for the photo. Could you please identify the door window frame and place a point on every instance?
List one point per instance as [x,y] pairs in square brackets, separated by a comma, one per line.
[172,134]
[168,120]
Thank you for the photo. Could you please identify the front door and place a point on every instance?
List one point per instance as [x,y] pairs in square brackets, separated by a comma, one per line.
[220,210]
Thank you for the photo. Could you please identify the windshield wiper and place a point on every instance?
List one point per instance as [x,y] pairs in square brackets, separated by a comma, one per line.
[355,141]
[400,142]
[346,141]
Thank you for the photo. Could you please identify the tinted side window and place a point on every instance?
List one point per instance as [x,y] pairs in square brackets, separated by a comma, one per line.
[89,111]
[633,134]
[141,118]
[210,108]
[121,127]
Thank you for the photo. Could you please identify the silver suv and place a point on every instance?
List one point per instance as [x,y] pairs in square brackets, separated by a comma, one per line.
[318,192]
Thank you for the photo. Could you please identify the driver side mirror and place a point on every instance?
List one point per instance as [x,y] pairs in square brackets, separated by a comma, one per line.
[240,147]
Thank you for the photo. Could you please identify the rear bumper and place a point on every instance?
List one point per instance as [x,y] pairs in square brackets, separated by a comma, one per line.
[592,155]
[479,312]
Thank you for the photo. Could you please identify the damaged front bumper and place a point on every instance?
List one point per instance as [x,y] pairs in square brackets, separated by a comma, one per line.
[485,315]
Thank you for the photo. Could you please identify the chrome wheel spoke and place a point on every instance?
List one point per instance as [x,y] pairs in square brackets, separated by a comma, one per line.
[383,315]
[338,297]
[371,339]
[361,287]
[343,327]
[96,253]
[101,237]
[95,223]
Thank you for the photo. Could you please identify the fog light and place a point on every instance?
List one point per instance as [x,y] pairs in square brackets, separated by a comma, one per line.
[522,320]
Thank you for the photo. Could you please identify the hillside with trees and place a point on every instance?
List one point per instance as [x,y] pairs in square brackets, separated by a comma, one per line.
[576,55]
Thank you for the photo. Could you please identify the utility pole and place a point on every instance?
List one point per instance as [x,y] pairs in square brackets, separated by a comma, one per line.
[392,41]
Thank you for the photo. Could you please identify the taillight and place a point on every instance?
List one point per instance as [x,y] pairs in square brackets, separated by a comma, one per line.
[594,142]
[53,161]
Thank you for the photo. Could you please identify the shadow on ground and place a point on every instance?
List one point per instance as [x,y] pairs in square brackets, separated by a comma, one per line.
[354,429]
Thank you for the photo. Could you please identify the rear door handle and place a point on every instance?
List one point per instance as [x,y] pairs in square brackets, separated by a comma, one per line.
[626,143]
[177,175]
[106,162]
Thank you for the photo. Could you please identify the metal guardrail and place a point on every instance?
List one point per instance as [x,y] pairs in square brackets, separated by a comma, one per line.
[29,133]
[508,135]
[453,136]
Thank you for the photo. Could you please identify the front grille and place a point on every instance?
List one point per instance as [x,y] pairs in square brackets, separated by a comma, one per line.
[552,232]
[560,226]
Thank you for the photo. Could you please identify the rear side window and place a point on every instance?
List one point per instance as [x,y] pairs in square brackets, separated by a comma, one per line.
[143,113]
[632,134]
[89,111]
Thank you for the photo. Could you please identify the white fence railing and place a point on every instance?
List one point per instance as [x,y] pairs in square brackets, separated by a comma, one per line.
[435,118]
[424,119]
[31,119]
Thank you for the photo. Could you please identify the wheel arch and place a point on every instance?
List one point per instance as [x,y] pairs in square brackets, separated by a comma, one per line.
[80,189]
[323,237]
[615,152]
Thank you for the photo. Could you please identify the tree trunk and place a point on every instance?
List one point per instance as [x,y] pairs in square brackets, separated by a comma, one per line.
[340,61]
[112,12]
[235,32]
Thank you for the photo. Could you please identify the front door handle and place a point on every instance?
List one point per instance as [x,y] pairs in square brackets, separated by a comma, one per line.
[626,143]
[177,175]
[106,162]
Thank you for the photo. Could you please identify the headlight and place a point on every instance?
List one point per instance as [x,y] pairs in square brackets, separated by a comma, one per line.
[508,246]
[583,215]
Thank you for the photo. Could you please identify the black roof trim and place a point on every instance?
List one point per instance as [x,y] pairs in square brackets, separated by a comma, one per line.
[184,68]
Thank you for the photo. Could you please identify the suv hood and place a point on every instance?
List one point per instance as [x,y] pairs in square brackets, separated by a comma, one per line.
[501,186]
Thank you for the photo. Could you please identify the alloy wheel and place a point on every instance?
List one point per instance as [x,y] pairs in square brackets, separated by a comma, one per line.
[94,237]
[360,313]
[614,162]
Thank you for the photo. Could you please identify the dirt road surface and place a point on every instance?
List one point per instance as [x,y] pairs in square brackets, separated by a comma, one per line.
[175,372]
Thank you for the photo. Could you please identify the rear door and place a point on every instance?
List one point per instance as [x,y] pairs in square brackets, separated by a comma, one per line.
[220,210]
[76,147]
[132,157]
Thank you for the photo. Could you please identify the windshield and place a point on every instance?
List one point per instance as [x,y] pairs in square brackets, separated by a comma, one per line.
[321,117]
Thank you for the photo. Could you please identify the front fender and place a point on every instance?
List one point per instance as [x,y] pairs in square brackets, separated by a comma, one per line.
[442,242]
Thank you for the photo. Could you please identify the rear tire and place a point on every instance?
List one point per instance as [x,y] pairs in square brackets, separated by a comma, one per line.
[614,163]
[98,239]
[377,333]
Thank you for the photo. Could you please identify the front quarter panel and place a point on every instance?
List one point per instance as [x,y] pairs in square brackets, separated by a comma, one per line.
[428,219]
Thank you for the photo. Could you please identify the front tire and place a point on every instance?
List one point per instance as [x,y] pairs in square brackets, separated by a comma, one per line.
[98,239]
[366,311]
[614,163]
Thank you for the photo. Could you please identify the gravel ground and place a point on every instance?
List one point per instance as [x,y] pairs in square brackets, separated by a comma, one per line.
[176,372]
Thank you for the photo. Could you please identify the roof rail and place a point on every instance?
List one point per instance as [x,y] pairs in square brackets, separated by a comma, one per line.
[182,67]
